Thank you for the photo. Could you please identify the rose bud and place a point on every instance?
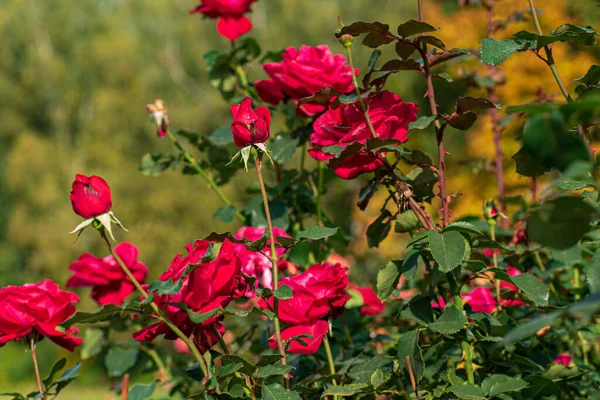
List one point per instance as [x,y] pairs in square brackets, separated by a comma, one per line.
[250,126]
[90,196]
[490,211]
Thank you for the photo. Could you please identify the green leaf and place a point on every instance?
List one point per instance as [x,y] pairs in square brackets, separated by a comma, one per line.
[467,390]
[379,229]
[592,273]
[387,279]
[165,287]
[268,359]
[527,164]
[222,136]
[377,379]
[360,27]
[591,77]
[93,343]
[316,233]
[119,359]
[273,369]
[464,104]
[275,391]
[422,122]
[404,49]
[141,392]
[463,226]
[408,345]
[583,35]
[152,164]
[283,148]
[419,310]
[356,299]
[462,121]
[283,292]
[547,224]
[452,320]
[89,317]
[531,286]
[432,40]
[400,65]
[407,221]
[60,364]
[198,317]
[494,52]
[225,214]
[498,383]
[67,377]
[413,27]
[344,390]
[448,249]
[279,213]
[375,39]
[539,387]
[547,139]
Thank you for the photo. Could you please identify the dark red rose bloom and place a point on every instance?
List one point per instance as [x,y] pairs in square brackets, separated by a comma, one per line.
[563,359]
[346,124]
[106,277]
[372,304]
[256,264]
[318,293]
[209,286]
[232,23]
[303,73]
[317,329]
[90,196]
[37,309]
[249,126]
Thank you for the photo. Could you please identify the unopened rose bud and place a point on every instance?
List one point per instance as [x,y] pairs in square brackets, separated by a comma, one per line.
[90,196]
[490,211]
[250,126]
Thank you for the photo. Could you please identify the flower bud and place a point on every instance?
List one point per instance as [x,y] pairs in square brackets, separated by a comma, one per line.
[159,115]
[490,211]
[90,196]
[250,126]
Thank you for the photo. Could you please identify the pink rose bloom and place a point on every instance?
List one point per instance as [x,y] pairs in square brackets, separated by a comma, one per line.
[230,13]
[303,73]
[481,300]
[346,125]
[110,285]
[255,264]
[564,359]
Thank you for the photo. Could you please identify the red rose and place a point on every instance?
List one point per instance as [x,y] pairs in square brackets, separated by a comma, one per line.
[372,304]
[563,359]
[317,293]
[232,22]
[303,73]
[209,286]
[249,126]
[256,264]
[90,196]
[346,124]
[317,329]
[109,282]
[37,309]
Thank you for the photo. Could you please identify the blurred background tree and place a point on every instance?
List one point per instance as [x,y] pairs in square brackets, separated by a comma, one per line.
[75,77]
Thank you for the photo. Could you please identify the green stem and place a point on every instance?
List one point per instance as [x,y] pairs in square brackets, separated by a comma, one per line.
[577,281]
[363,106]
[540,264]
[222,343]
[330,360]
[321,170]
[464,344]
[213,185]
[153,354]
[274,259]
[347,331]
[36,367]
[193,348]
[583,348]
[492,225]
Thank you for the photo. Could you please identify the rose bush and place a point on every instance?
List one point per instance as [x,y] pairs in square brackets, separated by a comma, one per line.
[501,305]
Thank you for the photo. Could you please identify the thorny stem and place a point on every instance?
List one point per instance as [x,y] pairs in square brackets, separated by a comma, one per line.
[492,225]
[211,183]
[411,374]
[552,65]
[320,170]
[36,367]
[421,215]
[193,348]
[274,259]
[330,360]
[496,129]
[439,130]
